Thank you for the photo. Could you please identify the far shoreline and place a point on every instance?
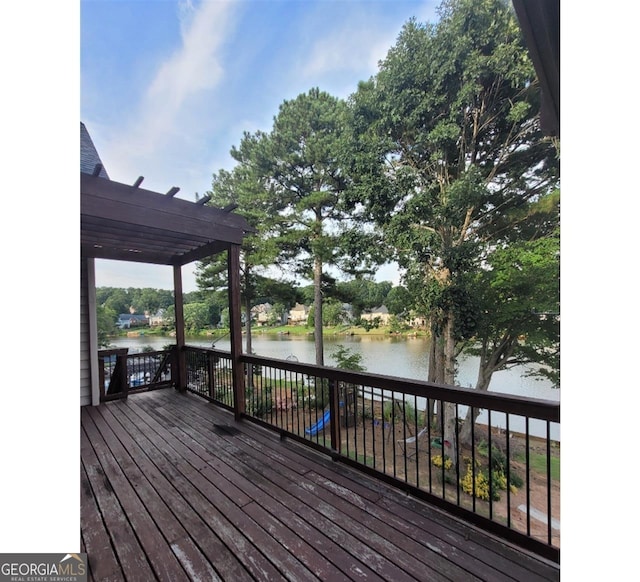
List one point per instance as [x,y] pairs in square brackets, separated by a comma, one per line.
[296,330]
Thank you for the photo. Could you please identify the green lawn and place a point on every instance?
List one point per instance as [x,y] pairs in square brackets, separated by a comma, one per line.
[538,464]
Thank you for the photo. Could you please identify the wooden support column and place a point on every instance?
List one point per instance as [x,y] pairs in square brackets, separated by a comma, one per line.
[181,372]
[235,328]
[89,356]
[334,407]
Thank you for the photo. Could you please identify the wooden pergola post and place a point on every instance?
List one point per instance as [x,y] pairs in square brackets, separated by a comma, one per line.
[181,371]
[235,329]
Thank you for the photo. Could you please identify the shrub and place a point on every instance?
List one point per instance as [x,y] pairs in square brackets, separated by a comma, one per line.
[481,485]
[515,480]
[259,403]
[499,468]
[437,461]
[409,411]
[366,412]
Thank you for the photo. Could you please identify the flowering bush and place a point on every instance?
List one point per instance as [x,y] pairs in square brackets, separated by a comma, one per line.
[437,461]
[481,484]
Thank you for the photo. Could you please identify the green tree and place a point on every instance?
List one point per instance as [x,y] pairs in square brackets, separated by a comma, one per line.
[518,293]
[117,300]
[363,293]
[399,301]
[274,291]
[333,312]
[276,315]
[454,108]
[102,294]
[308,177]
[150,300]
[196,316]
[170,316]
[347,360]
[106,322]
[242,187]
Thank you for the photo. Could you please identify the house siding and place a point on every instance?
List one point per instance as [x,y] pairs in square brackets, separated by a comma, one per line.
[85,364]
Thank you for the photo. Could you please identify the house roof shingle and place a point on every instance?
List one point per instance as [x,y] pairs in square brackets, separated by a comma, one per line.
[89,157]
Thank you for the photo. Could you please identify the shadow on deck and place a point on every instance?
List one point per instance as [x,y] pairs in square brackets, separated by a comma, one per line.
[174,489]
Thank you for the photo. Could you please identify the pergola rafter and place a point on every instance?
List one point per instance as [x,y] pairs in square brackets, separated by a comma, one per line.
[126,222]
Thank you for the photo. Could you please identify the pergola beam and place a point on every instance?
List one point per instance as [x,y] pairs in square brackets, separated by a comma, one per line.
[124,222]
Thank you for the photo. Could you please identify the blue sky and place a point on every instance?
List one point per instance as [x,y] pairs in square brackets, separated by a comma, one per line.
[169,86]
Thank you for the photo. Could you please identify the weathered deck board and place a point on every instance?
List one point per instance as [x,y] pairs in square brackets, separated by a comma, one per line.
[191,499]
[174,489]
[276,478]
[393,561]
[433,537]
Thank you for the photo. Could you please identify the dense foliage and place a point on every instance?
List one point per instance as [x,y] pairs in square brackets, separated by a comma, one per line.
[140,300]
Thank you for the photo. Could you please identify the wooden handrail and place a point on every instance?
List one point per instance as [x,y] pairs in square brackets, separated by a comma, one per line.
[547,410]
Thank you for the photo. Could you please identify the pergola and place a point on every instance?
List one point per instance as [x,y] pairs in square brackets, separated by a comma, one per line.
[129,223]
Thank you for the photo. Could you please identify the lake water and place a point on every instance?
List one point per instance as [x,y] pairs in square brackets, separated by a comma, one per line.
[392,356]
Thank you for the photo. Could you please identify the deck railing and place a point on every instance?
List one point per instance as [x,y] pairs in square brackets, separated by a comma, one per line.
[503,475]
[210,375]
[122,373]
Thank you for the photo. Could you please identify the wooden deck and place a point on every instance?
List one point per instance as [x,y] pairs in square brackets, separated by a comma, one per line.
[174,489]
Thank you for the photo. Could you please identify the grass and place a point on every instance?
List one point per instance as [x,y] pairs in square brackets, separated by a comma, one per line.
[364,459]
[328,330]
[301,330]
[538,463]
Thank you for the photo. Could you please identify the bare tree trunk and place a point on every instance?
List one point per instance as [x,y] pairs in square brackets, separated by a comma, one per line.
[436,357]
[482,385]
[489,363]
[449,444]
[435,372]
[317,320]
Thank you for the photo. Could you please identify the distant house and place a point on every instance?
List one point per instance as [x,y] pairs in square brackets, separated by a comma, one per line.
[418,321]
[158,319]
[129,320]
[298,314]
[347,312]
[381,313]
[261,314]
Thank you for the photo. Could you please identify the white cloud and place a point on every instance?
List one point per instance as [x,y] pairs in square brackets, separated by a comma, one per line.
[173,119]
[351,50]
[347,49]
[193,68]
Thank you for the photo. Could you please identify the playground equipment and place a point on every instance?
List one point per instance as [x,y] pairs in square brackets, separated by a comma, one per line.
[326,418]
[346,414]
[318,426]
[409,446]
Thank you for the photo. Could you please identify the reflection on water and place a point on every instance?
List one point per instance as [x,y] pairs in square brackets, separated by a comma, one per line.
[392,356]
